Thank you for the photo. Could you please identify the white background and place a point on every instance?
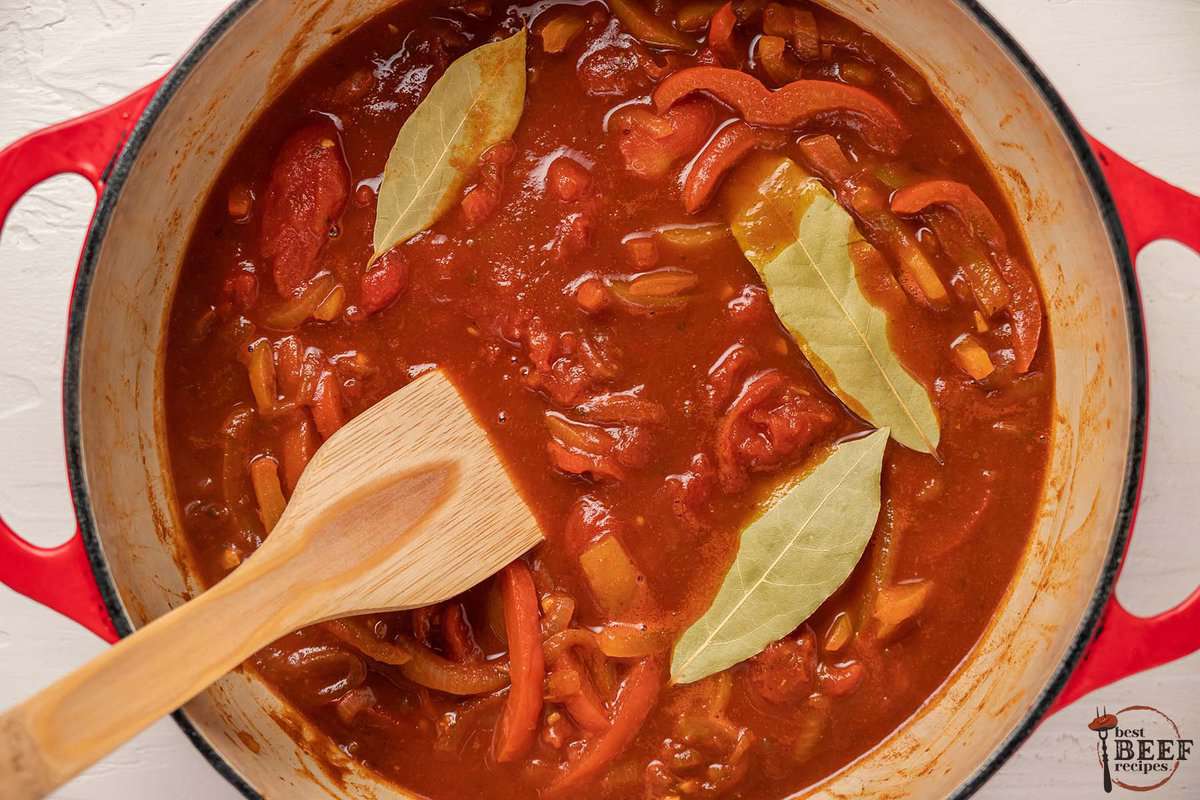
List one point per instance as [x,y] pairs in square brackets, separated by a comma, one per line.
[1130,70]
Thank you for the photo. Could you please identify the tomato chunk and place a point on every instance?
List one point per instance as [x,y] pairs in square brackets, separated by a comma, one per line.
[651,144]
[305,197]
[384,282]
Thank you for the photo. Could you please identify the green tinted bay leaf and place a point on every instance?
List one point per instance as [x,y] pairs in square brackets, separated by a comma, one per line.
[798,238]
[790,560]
[474,105]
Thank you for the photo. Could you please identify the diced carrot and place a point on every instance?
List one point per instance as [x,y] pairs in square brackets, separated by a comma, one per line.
[568,179]
[592,296]
[642,251]
[971,357]
[516,729]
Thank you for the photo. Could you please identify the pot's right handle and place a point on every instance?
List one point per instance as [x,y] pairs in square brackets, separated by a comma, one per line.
[1124,644]
[61,577]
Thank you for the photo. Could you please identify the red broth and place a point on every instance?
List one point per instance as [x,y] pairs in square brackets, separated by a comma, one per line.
[522,294]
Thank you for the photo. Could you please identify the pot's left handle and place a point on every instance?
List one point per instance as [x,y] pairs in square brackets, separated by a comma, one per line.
[60,577]
[1125,644]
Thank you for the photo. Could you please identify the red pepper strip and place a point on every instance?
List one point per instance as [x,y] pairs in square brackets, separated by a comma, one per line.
[722,153]
[526,665]
[720,36]
[635,699]
[791,106]
[584,706]
[865,196]
[1026,306]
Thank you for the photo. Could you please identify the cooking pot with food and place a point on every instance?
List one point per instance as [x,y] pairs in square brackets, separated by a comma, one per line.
[743,289]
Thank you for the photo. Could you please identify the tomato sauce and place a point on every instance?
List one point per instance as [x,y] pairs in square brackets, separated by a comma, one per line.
[601,355]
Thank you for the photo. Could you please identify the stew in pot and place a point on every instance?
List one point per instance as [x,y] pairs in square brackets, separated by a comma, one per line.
[750,322]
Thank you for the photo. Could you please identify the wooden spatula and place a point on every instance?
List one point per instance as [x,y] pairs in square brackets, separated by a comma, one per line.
[405,506]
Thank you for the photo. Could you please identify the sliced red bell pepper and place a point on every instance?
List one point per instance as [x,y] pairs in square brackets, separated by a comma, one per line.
[1025,310]
[791,106]
[720,36]
[518,723]
[635,699]
[722,153]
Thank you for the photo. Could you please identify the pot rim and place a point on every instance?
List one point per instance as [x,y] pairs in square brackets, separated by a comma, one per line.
[118,172]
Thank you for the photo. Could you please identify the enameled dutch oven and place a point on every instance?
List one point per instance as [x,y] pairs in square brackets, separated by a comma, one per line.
[1059,632]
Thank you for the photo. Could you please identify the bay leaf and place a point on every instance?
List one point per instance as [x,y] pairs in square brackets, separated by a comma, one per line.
[474,105]
[798,238]
[790,560]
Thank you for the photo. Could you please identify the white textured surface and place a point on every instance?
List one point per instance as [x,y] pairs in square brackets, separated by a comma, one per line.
[1130,70]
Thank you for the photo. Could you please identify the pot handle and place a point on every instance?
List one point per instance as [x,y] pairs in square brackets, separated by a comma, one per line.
[1124,644]
[61,577]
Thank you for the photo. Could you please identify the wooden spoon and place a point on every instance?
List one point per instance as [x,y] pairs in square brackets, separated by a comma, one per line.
[405,506]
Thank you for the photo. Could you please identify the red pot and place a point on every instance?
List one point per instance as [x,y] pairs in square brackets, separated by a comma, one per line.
[1058,634]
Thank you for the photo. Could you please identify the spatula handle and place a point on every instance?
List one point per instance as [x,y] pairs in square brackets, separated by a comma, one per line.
[76,721]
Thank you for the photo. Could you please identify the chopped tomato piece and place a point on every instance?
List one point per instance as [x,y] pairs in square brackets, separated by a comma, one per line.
[839,680]
[768,423]
[384,281]
[786,671]
[306,194]
[651,144]
[568,179]
[790,107]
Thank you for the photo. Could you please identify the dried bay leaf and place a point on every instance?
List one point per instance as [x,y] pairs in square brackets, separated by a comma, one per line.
[798,238]
[790,560]
[474,105]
